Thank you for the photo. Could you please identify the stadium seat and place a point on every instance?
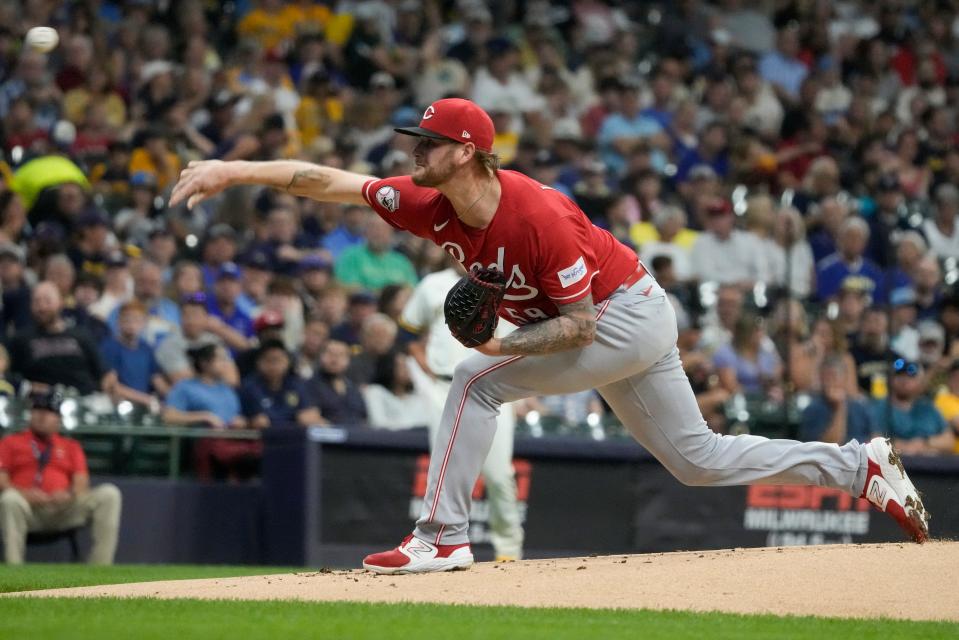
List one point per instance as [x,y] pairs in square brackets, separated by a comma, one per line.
[53,537]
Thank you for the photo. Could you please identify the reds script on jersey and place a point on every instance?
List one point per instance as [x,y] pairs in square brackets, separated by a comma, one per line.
[550,251]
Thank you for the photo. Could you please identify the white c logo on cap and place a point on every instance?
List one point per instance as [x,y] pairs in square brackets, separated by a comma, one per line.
[429,112]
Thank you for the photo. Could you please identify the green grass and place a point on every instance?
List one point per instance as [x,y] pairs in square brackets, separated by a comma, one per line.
[52,576]
[145,619]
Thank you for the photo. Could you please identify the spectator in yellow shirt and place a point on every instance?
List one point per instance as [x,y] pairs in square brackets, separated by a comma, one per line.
[320,110]
[947,401]
[96,89]
[271,24]
[310,16]
[155,157]
[667,234]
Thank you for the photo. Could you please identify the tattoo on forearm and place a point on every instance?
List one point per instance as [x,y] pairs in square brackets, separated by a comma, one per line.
[308,181]
[574,328]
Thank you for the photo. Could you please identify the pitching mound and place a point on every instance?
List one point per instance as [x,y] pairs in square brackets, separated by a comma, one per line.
[904,581]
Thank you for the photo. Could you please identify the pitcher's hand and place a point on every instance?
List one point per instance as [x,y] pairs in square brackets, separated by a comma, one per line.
[200,180]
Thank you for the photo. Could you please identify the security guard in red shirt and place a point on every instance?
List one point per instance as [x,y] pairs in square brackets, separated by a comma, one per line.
[45,486]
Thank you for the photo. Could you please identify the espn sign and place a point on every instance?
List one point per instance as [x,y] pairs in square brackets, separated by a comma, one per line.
[797,515]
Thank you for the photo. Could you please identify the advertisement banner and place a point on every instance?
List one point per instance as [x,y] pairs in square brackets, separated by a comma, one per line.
[570,505]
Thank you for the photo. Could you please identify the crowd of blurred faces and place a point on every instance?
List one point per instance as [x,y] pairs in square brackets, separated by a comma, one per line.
[787,170]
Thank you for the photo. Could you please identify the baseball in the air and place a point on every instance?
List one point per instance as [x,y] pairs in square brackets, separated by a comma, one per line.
[42,39]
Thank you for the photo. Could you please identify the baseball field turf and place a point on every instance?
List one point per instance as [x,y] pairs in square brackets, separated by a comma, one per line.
[141,618]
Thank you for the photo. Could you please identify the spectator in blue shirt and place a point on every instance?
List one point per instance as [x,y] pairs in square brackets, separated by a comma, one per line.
[748,363]
[847,261]
[662,87]
[273,396]
[219,247]
[131,358]
[910,248]
[909,417]
[257,276]
[163,315]
[628,129]
[348,233]
[830,212]
[782,68]
[284,244]
[362,304]
[206,399]
[223,303]
[833,415]
[711,152]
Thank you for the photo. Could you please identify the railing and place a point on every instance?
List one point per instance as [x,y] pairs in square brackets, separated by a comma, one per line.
[744,414]
[125,441]
[133,449]
[121,440]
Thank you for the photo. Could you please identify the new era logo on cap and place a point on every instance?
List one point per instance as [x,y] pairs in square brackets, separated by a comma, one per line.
[455,119]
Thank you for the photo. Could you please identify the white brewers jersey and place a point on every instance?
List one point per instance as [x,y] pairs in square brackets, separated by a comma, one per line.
[423,314]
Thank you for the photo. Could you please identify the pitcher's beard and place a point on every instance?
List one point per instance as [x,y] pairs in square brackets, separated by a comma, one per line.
[429,176]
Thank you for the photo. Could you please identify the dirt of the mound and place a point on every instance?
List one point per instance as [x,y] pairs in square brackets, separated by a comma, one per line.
[905,581]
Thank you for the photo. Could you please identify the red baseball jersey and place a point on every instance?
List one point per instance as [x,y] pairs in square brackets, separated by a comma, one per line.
[547,247]
[20,457]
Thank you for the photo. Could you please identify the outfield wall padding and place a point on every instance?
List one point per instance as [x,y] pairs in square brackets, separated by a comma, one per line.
[329,496]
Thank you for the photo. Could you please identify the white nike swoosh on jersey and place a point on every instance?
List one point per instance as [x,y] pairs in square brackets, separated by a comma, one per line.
[439,227]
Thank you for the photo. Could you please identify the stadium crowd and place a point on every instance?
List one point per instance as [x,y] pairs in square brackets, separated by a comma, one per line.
[787,169]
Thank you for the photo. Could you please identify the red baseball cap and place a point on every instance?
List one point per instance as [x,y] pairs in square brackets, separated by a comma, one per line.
[269,319]
[455,119]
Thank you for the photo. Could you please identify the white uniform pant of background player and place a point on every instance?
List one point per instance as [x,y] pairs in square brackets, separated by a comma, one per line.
[506,527]
[634,364]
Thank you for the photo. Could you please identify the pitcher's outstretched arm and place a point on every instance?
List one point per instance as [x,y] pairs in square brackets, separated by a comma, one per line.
[205,178]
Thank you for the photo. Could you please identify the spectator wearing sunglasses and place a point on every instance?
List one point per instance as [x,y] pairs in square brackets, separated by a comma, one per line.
[910,418]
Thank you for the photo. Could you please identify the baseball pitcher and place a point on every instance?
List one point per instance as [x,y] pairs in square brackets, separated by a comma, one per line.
[590,316]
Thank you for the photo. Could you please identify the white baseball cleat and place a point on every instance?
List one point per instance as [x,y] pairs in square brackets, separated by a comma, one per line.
[890,490]
[419,556]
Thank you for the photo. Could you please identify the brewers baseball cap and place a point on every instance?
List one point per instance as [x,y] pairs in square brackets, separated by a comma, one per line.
[197,298]
[229,270]
[314,263]
[257,259]
[455,119]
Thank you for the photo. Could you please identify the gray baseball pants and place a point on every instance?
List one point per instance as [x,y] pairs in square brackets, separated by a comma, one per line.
[505,523]
[634,364]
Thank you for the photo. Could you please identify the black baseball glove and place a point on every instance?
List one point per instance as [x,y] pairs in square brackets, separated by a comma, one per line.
[472,303]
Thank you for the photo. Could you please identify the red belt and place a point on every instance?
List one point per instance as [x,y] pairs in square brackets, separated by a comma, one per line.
[635,276]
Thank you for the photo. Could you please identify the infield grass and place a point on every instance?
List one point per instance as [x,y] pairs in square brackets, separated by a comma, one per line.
[53,576]
[143,619]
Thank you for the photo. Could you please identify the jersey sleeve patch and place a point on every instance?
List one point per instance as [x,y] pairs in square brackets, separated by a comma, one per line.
[573,273]
[388,197]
